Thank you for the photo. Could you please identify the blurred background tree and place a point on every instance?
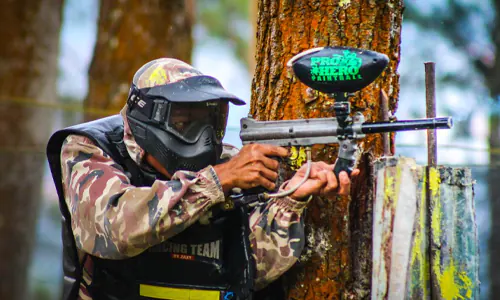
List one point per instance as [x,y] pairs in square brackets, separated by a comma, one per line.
[131,33]
[227,20]
[28,70]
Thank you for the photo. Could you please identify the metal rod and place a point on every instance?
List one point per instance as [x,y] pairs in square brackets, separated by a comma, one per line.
[430,97]
[407,125]
[385,117]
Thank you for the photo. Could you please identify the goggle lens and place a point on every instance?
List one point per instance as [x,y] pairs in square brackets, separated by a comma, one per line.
[186,119]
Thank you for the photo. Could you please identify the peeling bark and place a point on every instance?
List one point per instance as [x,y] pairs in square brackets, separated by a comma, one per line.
[131,33]
[337,260]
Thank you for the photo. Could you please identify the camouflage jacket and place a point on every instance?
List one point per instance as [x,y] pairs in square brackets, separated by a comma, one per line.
[90,179]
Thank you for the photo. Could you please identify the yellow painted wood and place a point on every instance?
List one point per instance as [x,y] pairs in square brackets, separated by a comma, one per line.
[394,219]
[454,246]
[443,256]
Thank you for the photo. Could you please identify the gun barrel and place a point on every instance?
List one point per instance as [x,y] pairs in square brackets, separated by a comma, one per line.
[407,125]
[289,132]
[303,132]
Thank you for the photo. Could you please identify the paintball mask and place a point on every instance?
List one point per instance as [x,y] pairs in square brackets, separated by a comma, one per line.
[180,123]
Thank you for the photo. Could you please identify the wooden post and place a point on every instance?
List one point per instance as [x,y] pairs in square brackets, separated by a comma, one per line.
[394,217]
[405,232]
[418,285]
[454,246]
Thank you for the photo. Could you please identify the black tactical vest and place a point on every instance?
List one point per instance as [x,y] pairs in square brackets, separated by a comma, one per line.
[210,261]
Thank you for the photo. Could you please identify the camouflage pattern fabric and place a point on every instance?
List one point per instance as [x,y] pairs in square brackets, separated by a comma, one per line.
[113,219]
[162,71]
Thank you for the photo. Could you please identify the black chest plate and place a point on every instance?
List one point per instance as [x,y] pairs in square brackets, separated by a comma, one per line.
[195,257]
[212,257]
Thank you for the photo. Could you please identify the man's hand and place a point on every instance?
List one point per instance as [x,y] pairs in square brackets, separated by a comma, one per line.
[251,167]
[322,181]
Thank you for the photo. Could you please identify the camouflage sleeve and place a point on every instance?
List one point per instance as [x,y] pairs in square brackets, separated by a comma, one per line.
[112,218]
[277,237]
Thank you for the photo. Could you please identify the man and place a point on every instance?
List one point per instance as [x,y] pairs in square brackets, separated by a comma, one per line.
[145,197]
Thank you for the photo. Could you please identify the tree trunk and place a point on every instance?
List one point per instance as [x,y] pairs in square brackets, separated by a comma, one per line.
[337,261]
[131,33]
[29,30]
[251,48]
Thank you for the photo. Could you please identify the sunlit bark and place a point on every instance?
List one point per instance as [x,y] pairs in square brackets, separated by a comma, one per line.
[337,261]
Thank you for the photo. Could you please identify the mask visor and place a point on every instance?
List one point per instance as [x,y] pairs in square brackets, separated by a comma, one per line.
[189,120]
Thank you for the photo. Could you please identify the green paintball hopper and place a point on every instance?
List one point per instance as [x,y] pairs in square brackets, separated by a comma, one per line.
[338,69]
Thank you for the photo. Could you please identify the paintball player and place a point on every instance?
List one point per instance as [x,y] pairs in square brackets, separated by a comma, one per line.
[145,197]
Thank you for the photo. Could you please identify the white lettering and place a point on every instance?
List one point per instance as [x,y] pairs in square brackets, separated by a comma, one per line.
[206,250]
[193,249]
[141,103]
[209,250]
[214,249]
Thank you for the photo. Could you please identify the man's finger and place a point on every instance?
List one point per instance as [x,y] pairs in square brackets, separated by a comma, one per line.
[272,150]
[344,184]
[269,185]
[269,163]
[268,174]
[332,184]
[325,166]
[323,176]
[310,187]
[316,170]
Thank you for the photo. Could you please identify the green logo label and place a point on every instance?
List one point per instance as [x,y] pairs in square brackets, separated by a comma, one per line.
[336,68]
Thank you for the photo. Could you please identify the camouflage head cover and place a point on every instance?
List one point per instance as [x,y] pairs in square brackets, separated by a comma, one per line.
[177,114]
[163,71]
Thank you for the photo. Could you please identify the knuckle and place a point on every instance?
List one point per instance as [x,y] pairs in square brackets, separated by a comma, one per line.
[254,177]
[255,147]
[254,156]
[257,165]
[246,148]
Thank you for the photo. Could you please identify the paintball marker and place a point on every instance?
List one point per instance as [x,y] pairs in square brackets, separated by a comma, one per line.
[338,72]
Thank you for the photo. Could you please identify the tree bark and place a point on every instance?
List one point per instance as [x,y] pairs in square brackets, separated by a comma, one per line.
[337,260]
[131,33]
[29,30]
[251,48]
